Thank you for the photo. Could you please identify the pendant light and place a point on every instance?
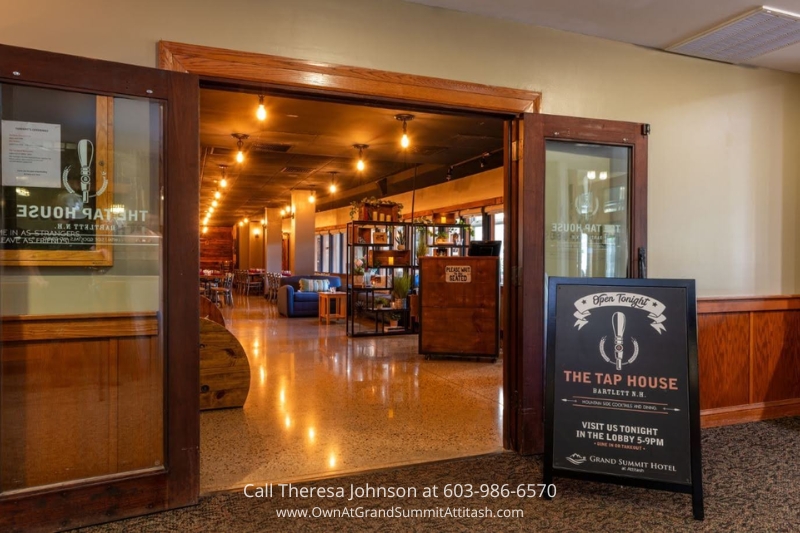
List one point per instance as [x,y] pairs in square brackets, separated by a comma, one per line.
[223,182]
[404,140]
[360,165]
[312,198]
[261,112]
[332,188]
[240,138]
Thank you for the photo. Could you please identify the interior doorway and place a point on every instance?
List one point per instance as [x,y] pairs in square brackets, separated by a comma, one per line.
[322,403]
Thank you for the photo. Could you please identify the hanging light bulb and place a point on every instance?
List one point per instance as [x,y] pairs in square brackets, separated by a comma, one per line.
[332,188]
[205,229]
[312,198]
[223,182]
[241,223]
[246,220]
[404,140]
[283,212]
[360,165]
[261,113]
[288,208]
[214,203]
[217,195]
[240,138]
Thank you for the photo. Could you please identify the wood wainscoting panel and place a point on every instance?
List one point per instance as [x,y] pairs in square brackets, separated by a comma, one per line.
[723,344]
[86,402]
[140,378]
[749,358]
[776,356]
[55,412]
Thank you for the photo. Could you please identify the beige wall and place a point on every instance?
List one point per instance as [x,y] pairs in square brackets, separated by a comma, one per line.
[723,160]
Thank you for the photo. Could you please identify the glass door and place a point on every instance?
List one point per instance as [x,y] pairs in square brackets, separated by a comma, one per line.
[587,233]
[577,207]
[98,342]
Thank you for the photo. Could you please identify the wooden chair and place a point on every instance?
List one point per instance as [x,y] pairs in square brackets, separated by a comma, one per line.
[252,282]
[226,291]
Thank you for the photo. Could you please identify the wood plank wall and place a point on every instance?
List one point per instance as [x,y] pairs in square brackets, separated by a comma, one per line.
[216,246]
[749,357]
[82,396]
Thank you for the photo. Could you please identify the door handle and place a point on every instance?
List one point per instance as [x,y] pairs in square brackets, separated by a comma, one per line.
[642,262]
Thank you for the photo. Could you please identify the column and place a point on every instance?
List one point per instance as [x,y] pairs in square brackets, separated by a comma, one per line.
[301,246]
[272,239]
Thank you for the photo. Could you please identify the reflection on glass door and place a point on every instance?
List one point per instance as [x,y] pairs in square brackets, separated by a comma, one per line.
[81,290]
[586,209]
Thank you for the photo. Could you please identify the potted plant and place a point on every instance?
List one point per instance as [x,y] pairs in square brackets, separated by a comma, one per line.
[358,273]
[400,239]
[401,286]
[441,236]
[394,319]
[422,243]
[371,208]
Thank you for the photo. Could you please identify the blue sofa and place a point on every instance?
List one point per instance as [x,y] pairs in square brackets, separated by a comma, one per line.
[292,302]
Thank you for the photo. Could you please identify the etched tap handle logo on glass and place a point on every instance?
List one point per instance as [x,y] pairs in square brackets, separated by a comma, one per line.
[85,157]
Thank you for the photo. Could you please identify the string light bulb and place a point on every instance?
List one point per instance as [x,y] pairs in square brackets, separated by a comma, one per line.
[405,142]
[240,138]
[261,113]
[332,188]
[205,229]
[360,165]
[246,220]
[311,198]
[223,182]
[217,195]
[214,203]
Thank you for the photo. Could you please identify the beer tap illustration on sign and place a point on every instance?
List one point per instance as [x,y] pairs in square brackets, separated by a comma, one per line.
[85,157]
[618,326]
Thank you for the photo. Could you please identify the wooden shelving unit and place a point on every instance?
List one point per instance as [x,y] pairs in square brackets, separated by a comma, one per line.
[375,244]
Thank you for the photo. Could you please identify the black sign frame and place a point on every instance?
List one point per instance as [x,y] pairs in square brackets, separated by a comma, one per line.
[695,486]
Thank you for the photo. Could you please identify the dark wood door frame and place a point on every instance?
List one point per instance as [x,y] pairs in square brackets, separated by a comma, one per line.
[89,501]
[251,70]
[531,133]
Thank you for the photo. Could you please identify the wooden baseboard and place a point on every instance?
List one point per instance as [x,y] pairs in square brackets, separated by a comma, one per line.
[739,414]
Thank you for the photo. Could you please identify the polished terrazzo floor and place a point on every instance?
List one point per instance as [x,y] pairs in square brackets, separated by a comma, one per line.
[322,404]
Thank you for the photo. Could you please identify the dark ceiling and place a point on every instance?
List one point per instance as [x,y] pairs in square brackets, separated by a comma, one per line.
[302,141]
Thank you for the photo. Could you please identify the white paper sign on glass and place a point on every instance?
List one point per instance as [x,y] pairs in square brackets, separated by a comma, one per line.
[458,274]
[31,154]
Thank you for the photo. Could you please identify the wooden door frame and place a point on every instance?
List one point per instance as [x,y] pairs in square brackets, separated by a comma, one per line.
[177,483]
[327,80]
[531,133]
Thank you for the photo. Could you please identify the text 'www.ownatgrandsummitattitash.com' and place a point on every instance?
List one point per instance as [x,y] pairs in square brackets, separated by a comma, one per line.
[351,497]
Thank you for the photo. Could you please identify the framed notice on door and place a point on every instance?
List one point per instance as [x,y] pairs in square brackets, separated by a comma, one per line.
[57,173]
[622,400]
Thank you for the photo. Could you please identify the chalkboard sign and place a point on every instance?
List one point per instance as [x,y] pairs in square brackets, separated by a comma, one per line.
[622,386]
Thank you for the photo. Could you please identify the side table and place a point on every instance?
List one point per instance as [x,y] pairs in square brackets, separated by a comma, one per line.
[339,306]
